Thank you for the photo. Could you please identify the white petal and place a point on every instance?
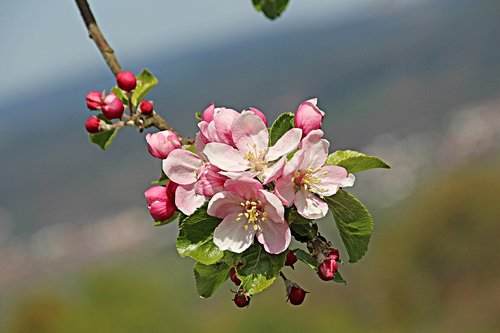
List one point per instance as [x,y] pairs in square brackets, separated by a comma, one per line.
[250,132]
[181,165]
[231,234]
[274,171]
[225,157]
[285,145]
[275,237]
[310,206]
[187,200]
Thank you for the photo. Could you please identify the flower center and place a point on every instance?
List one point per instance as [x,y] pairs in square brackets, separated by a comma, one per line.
[253,214]
[257,158]
[309,179]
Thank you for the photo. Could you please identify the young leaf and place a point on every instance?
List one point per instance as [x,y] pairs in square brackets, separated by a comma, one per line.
[162,181]
[145,82]
[259,269]
[353,221]
[354,161]
[338,278]
[210,277]
[195,238]
[306,259]
[271,8]
[103,139]
[119,93]
[281,125]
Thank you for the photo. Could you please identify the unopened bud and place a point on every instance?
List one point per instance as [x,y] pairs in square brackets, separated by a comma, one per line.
[241,299]
[146,108]
[92,124]
[296,295]
[126,80]
[94,99]
[291,259]
[327,269]
[234,277]
[112,107]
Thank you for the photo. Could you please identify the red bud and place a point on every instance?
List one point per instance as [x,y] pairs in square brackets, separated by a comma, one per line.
[291,258]
[146,108]
[241,300]
[92,124]
[233,277]
[112,107]
[94,99]
[126,80]
[327,269]
[296,295]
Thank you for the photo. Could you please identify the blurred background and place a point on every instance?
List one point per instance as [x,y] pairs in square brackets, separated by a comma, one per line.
[414,82]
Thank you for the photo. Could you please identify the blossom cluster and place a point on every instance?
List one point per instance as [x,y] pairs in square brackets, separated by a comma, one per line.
[247,181]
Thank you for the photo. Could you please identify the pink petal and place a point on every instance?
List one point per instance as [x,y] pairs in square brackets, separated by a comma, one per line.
[181,166]
[223,204]
[225,157]
[310,206]
[187,200]
[260,114]
[246,188]
[208,114]
[155,193]
[295,164]
[239,174]
[275,237]
[199,145]
[285,145]
[334,178]
[315,150]
[231,234]
[285,191]
[223,121]
[274,171]
[272,206]
[250,133]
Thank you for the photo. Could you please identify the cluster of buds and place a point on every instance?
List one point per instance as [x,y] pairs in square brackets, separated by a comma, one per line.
[113,107]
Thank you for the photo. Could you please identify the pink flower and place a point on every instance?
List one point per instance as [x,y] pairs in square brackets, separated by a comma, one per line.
[160,201]
[112,107]
[305,179]
[248,211]
[308,116]
[94,100]
[252,151]
[217,126]
[162,143]
[197,179]
[259,113]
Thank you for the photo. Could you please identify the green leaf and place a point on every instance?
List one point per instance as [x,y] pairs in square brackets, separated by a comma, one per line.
[271,8]
[197,115]
[195,238]
[281,125]
[177,215]
[210,277]
[306,259]
[145,82]
[338,278]
[120,94]
[259,269]
[354,161]
[353,221]
[104,139]
[162,181]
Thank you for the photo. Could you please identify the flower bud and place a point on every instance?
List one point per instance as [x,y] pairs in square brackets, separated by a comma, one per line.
[146,108]
[112,107]
[94,99]
[162,143]
[308,116]
[92,124]
[296,295]
[291,259]
[126,81]
[241,299]
[259,113]
[161,201]
[208,114]
[327,269]
[234,277]
[334,254]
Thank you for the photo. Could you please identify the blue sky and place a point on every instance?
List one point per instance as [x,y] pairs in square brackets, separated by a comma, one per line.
[45,42]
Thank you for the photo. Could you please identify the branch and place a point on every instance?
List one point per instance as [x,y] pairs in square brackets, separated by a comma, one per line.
[112,61]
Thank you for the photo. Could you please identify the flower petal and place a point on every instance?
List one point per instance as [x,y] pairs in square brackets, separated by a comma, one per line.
[285,145]
[250,132]
[181,166]
[272,206]
[274,171]
[295,164]
[285,191]
[315,149]
[246,188]
[223,204]
[223,121]
[310,206]
[231,235]
[187,200]
[333,177]
[275,237]
[225,157]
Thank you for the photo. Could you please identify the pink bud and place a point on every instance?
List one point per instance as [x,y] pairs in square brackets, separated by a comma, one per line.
[92,124]
[291,258]
[234,277]
[126,80]
[146,108]
[241,299]
[112,107]
[308,116]
[334,254]
[259,113]
[94,99]
[160,201]
[327,269]
[296,295]
[162,143]
[208,114]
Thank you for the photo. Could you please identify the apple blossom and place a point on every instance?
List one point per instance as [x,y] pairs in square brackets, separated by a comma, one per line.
[162,143]
[160,201]
[252,152]
[248,210]
[308,116]
[306,179]
[216,125]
